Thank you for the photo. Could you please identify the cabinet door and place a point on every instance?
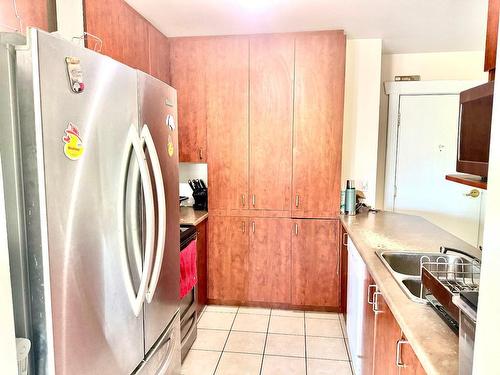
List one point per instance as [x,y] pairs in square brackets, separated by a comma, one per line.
[318,116]
[387,334]
[106,19]
[271,103]
[227,122]
[491,37]
[228,259]
[269,275]
[409,360]
[38,14]
[201,264]
[367,338]
[159,55]
[315,263]
[188,75]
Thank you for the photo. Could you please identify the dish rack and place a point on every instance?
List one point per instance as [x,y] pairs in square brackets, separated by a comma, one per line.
[444,277]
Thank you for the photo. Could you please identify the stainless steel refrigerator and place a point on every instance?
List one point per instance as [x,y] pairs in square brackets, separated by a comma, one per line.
[90,160]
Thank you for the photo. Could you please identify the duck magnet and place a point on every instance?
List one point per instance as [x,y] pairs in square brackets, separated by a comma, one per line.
[73,145]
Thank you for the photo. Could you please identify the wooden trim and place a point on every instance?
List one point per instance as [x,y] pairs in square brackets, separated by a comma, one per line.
[468,180]
[274,305]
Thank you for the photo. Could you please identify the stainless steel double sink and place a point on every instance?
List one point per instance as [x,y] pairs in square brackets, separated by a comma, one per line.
[405,268]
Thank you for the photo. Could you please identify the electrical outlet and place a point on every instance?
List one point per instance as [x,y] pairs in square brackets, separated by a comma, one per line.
[363,185]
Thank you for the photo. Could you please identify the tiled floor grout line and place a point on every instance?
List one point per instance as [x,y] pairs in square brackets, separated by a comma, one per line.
[265,342]
[227,339]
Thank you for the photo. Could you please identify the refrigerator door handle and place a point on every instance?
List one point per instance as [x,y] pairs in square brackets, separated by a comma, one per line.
[134,144]
[162,214]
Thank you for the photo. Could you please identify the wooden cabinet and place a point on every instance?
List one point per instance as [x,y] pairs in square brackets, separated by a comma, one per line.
[188,75]
[270,258]
[271,117]
[410,365]
[386,333]
[124,33]
[228,259]
[159,54]
[315,263]
[318,118]
[201,264]
[491,38]
[227,122]
[36,13]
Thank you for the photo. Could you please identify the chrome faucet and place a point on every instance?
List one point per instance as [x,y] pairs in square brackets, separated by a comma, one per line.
[444,250]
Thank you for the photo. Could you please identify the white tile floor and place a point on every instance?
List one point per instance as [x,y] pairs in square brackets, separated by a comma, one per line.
[256,341]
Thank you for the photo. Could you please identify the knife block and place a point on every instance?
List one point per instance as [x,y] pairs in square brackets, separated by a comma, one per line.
[200,199]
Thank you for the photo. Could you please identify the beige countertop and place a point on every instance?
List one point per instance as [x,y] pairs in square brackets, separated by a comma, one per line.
[434,343]
[190,216]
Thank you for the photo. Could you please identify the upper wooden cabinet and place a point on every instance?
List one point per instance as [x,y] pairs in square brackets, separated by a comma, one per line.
[226,91]
[188,67]
[124,33]
[318,118]
[35,13]
[228,259]
[315,263]
[271,118]
[270,259]
[159,54]
[491,38]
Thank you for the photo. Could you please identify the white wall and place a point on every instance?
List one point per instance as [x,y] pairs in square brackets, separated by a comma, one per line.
[190,171]
[361,114]
[69,18]
[487,350]
[430,66]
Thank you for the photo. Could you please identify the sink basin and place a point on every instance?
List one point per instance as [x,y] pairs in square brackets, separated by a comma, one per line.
[405,268]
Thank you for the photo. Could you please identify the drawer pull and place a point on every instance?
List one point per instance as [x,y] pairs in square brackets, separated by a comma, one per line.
[399,362]
[370,287]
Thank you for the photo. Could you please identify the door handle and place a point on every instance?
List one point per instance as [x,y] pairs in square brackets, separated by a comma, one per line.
[162,214]
[399,362]
[243,226]
[375,302]
[370,287]
[253,200]
[297,201]
[200,152]
[345,239]
[253,226]
[474,193]
[135,148]
[296,229]
[243,200]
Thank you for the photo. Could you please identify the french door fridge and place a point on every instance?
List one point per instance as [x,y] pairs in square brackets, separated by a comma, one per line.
[94,170]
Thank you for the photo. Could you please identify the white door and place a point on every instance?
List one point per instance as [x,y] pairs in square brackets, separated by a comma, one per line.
[427,149]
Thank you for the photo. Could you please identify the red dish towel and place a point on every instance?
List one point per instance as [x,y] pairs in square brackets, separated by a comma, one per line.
[188,269]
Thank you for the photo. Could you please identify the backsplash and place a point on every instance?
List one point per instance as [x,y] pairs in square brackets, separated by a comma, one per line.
[190,171]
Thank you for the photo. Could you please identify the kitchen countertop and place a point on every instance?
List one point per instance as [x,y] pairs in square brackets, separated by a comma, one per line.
[434,343]
[190,216]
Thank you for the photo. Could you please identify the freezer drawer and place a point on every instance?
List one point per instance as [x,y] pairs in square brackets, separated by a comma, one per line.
[164,357]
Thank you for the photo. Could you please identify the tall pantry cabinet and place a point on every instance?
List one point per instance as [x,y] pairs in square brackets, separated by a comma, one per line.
[271,108]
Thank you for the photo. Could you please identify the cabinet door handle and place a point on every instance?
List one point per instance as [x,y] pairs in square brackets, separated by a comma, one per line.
[200,151]
[375,302]
[297,201]
[253,226]
[370,287]
[339,254]
[345,239]
[243,227]
[243,200]
[296,229]
[399,362]
[253,200]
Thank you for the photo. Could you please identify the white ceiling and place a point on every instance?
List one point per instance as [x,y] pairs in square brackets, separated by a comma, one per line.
[405,26]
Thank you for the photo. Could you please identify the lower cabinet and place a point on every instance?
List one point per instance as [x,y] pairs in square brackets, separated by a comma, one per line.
[201,264]
[270,259]
[228,259]
[315,263]
[408,361]
[367,331]
[274,261]
[387,333]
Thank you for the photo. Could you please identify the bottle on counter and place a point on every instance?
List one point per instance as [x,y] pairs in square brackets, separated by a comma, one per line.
[350,198]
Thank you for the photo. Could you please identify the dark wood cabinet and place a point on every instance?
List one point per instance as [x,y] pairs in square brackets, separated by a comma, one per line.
[410,364]
[386,333]
[490,55]
[318,119]
[188,63]
[201,264]
[228,260]
[270,258]
[35,13]
[159,54]
[315,263]
[270,118]
[227,123]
